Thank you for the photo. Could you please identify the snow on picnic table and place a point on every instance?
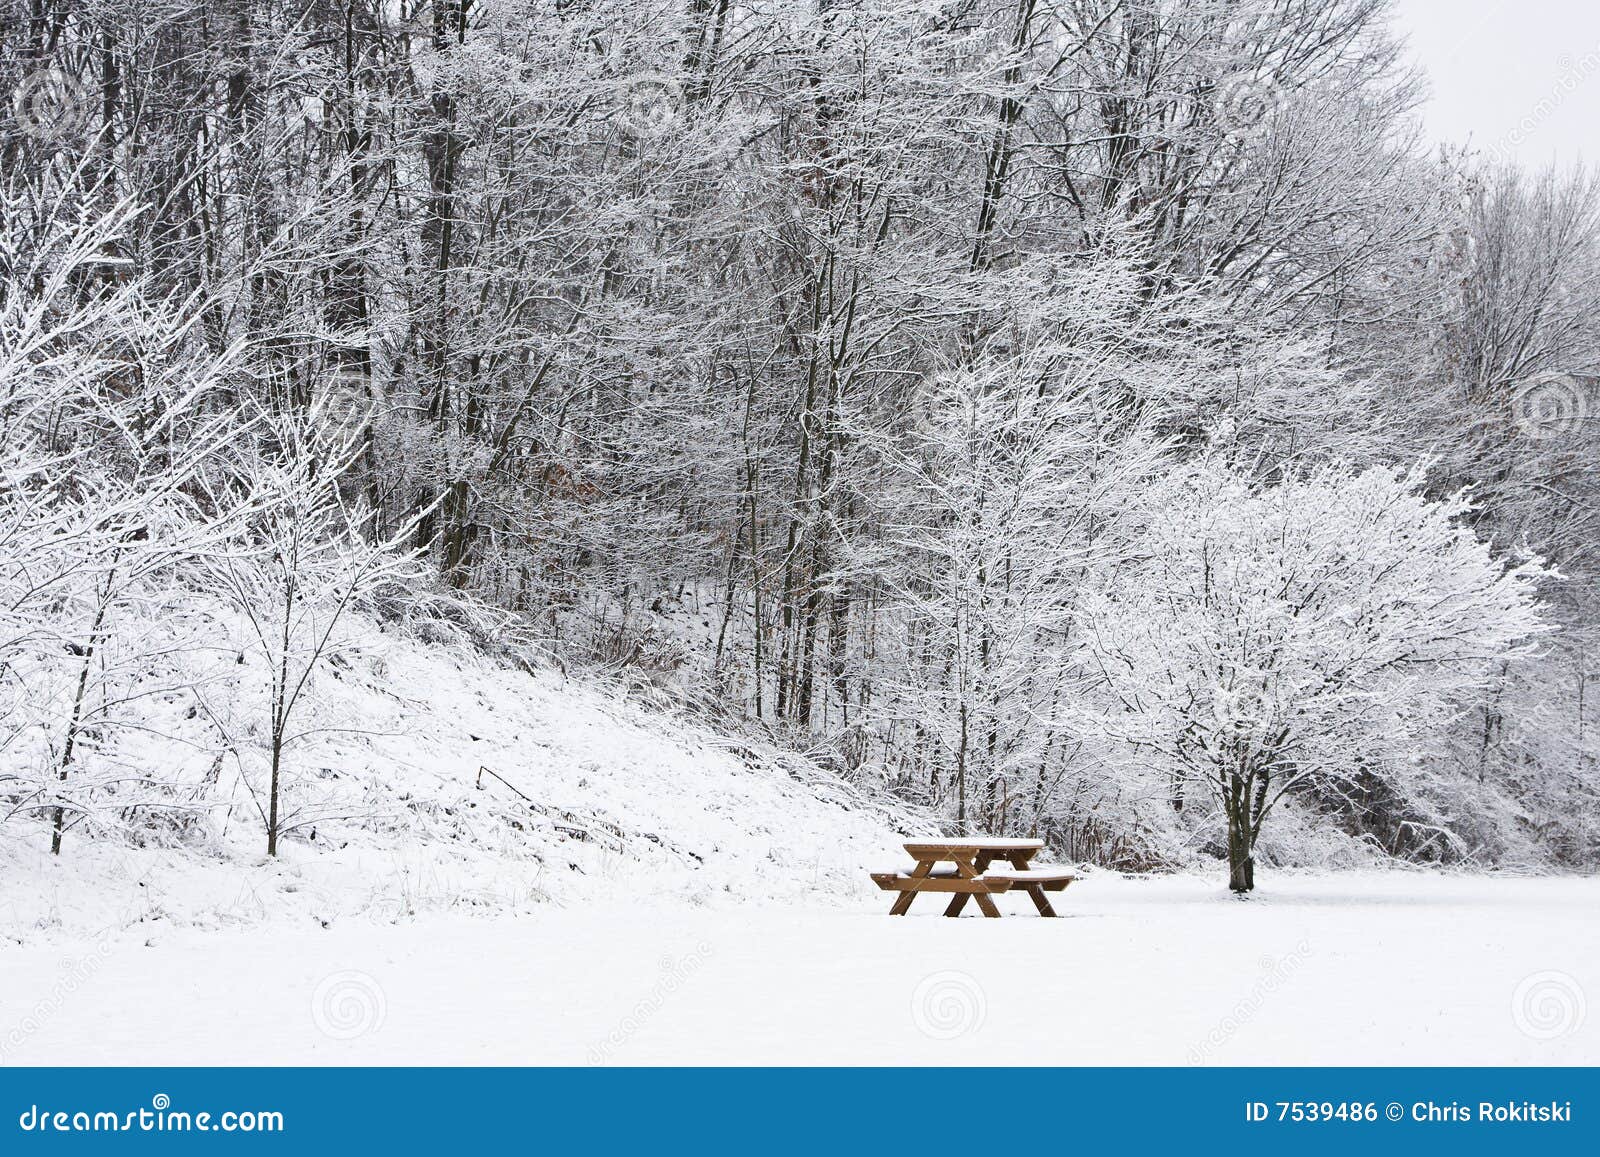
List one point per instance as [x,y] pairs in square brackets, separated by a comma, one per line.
[1381,968]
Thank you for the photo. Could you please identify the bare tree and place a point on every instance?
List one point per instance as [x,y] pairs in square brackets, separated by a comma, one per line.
[303,563]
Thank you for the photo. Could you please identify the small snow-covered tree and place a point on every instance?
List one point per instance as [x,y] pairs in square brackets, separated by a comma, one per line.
[303,561]
[1273,639]
[109,408]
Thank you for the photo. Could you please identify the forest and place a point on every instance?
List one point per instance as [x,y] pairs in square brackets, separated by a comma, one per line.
[1106,421]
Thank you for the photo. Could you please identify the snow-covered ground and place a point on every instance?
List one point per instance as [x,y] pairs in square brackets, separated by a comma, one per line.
[492,865]
[433,779]
[1387,968]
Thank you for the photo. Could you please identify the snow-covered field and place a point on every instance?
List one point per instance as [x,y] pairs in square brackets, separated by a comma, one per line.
[1390,968]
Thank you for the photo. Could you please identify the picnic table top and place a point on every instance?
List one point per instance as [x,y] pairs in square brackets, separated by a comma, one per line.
[972,844]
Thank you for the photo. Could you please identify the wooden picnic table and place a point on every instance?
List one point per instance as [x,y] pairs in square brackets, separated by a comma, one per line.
[971,875]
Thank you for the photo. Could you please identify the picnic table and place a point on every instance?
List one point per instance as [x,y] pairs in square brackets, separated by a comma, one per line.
[972,875]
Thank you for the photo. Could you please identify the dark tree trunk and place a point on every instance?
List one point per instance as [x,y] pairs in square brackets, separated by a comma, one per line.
[272,804]
[1241,865]
[1242,828]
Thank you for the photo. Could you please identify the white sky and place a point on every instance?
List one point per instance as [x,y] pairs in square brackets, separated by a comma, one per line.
[1521,77]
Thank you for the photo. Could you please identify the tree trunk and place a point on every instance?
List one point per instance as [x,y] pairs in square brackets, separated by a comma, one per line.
[440,148]
[1241,844]
[272,805]
[1241,867]
[75,724]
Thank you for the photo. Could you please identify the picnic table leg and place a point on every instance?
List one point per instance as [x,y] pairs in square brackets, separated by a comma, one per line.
[972,869]
[1020,860]
[903,904]
[1040,900]
[959,900]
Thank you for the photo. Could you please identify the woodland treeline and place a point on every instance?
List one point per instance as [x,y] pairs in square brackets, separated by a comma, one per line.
[1030,406]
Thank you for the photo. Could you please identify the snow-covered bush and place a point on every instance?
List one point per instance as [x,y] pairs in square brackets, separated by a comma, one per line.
[108,413]
[1311,638]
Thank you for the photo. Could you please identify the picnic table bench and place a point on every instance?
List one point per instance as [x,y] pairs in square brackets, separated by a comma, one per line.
[971,874]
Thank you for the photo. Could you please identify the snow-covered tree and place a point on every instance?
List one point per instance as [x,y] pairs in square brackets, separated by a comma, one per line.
[110,410]
[303,560]
[999,498]
[637,306]
[1290,638]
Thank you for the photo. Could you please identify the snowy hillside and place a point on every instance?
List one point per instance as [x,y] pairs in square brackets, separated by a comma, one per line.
[433,778]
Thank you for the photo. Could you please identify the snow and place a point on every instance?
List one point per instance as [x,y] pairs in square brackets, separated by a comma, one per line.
[624,886]
[1370,968]
[434,780]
